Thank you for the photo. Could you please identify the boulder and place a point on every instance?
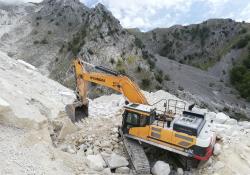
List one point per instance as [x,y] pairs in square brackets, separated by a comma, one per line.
[221,118]
[244,124]
[106,171]
[161,168]
[68,148]
[67,128]
[4,105]
[210,115]
[96,162]
[89,152]
[217,149]
[231,121]
[218,165]
[116,161]
[122,170]
[105,144]
[180,171]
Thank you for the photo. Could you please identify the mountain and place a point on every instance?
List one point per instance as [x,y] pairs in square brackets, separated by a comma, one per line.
[198,60]
[199,45]
[193,62]
[60,30]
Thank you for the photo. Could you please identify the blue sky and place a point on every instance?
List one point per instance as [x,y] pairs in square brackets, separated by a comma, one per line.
[149,14]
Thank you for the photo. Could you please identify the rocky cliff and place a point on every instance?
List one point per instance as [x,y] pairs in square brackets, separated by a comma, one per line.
[58,31]
[193,62]
[198,59]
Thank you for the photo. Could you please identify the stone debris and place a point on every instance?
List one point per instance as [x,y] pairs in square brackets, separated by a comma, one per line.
[4,106]
[106,171]
[180,171]
[122,170]
[92,146]
[116,161]
[217,149]
[161,168]
[221,118]
[219,165]
[96,162]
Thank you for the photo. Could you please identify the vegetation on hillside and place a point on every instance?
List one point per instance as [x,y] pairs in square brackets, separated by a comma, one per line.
[240,77]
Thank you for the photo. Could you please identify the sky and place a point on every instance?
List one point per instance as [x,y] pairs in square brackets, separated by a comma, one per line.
[149,14]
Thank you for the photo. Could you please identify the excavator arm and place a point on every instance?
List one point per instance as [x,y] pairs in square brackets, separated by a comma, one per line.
[113,80]
[110,79]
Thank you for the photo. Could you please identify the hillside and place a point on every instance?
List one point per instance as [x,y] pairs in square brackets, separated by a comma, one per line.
[50,34]
[198,60]
[58,31]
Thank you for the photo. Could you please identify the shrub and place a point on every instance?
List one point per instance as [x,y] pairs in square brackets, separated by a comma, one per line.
[158,87]
[38,18]
[237,73]
[119,63]
[241,43]
[159,77]
[49,32]
[243,30]
[211,84]
[180,88]
[36,42]
[139,43]
[224,72]
[138,69]
[44,41]
[122,71]
[246,62]
[151,64]
[167,48]
[171,57]
[112,61]
[166,77]
[90,52]
[35,32]
[240,78]
[145,83]
[75,50]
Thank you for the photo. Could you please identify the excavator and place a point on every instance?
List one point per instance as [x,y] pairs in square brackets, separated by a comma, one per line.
[186,134]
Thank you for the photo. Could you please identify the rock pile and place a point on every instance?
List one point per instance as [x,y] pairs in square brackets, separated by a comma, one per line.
[93,146]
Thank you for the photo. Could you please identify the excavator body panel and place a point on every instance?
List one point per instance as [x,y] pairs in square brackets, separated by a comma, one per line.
[188,134]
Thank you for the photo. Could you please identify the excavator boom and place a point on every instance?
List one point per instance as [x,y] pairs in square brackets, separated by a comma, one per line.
[109,78]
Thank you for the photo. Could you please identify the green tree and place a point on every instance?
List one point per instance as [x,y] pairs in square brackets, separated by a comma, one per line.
[237,74]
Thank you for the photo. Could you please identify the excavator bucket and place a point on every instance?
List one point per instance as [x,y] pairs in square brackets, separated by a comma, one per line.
[77,111]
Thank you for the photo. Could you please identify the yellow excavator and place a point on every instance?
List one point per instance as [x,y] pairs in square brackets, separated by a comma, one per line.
[186,134]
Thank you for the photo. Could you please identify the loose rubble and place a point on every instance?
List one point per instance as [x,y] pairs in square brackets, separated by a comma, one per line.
[217,149]
[117,161]
[161,168]
[35,129]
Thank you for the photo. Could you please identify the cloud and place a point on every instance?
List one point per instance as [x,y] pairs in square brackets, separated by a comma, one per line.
[149,14]
[245,14]
[145,13]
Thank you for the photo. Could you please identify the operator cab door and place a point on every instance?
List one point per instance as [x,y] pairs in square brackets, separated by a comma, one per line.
[132,119]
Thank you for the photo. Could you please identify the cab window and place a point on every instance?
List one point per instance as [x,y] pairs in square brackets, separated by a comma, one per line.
[132,118]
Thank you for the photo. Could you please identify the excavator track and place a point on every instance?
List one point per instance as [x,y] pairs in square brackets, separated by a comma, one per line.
[136,154]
